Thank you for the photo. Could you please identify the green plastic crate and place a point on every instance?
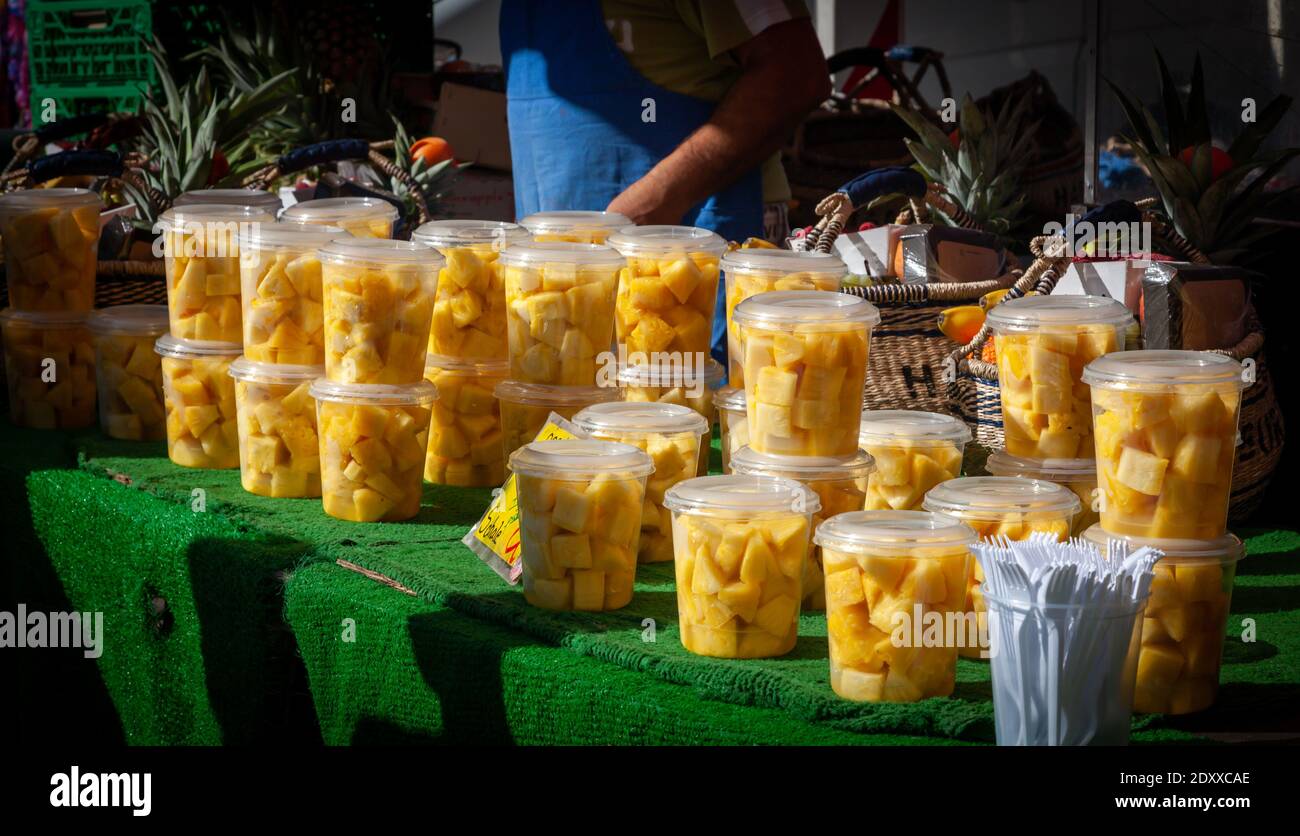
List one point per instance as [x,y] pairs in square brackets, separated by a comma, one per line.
[77,101]
[89,44]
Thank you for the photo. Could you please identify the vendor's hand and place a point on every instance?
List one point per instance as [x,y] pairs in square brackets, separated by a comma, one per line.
[648,202]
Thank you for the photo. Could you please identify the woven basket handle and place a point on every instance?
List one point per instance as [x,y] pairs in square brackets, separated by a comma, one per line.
[74,163]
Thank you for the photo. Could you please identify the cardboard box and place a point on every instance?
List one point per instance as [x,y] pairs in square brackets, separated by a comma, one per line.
[1194,306]
[480,194]
[474,122]
[868,253]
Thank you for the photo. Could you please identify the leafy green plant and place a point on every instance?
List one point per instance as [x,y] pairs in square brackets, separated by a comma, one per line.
[434,181]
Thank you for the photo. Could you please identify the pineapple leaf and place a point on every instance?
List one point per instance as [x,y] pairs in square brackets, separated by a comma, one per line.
[1248,141]
[1197,125]
[1173,109]
[1201,166]
[930,136]
[1141,126]
[1188,222]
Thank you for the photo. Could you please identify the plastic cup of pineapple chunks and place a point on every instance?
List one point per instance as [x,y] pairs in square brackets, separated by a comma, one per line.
[44,397]
[840,482]
[258,199]
[1043,344]
[1184,622]
[378,307]
[526,406]
[362,217]
[883,569]
[578,226]
[676,384]
[559,310]
[199,396]
[1001,506]
[201,253]
[373,439]
[469,310]
[1079,475]
[128,372]
[733,422]
[280,279]
[51,239]
[672,436]
[465,441]
[667,292]
[1165,425]
[279,452]
[739,545]
[580,507]
[749,272]
[805,368]
[914,451]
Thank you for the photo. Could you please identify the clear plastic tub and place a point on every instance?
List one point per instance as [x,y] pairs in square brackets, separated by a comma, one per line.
[1079,475]
[283,309]
[805,368]
[667,291]
[840,482]
[576,226]
[1165,423]
[258,199]
[362,217]
[41,397]
[559,310]
[51,240]
[1002,506]
[373,442]
[740,544]
[465,439]
[1185,621]
[882,568]
[378,306]
[201,251]
[469,311]
[279,453]
[579,521]
[753,271]
[681,385]
[672,436]
[128,372]
[733,423]
[199,395]
[1043,343]
[914,451]
[525,407]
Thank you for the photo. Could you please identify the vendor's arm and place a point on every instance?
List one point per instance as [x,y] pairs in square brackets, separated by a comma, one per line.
[783,77]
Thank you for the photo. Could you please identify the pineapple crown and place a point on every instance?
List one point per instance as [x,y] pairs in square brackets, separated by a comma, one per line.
[980,169]
[1212,198]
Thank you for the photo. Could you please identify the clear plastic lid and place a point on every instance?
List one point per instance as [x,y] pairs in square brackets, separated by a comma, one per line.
[908,426]
[992,497]
[661,240]
[28,199]
[1030,313]
[741,495]
[747,461]
[1225,549]
[673,374]
[46,319]
[869,531]
[579,459]
[203,213]
[380,251]
[290,237]
[254,372]
[784,261]
[1160,369]
[332,210]
[466,366]
[541,223]
[269,201]
[130,320]
[561,252]
[633,418]
[180,349]
[1064,471]
[375,394]
[538,394]
[780,308]
[730,399]
[467,233]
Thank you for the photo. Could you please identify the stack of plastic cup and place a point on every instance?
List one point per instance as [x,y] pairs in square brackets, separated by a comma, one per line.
[51,237]
[576,226]
[269,201]
[128,372]
[362,217]
[914,451]
[1165,428]
[670,384]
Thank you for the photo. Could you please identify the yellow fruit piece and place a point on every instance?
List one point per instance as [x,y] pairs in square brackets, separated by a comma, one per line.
[51,375]
[202,427]
[904,474]
[50,257]
[371,460]
[740,285]
[278,444]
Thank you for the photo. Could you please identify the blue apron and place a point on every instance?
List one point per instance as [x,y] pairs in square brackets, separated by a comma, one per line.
[577,133]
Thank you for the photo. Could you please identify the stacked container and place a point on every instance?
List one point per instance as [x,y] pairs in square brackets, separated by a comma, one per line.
[574,225]
[128,372]
[361,217]
[268,201]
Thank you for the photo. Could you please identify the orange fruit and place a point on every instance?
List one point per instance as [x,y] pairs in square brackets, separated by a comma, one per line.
[431,149]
